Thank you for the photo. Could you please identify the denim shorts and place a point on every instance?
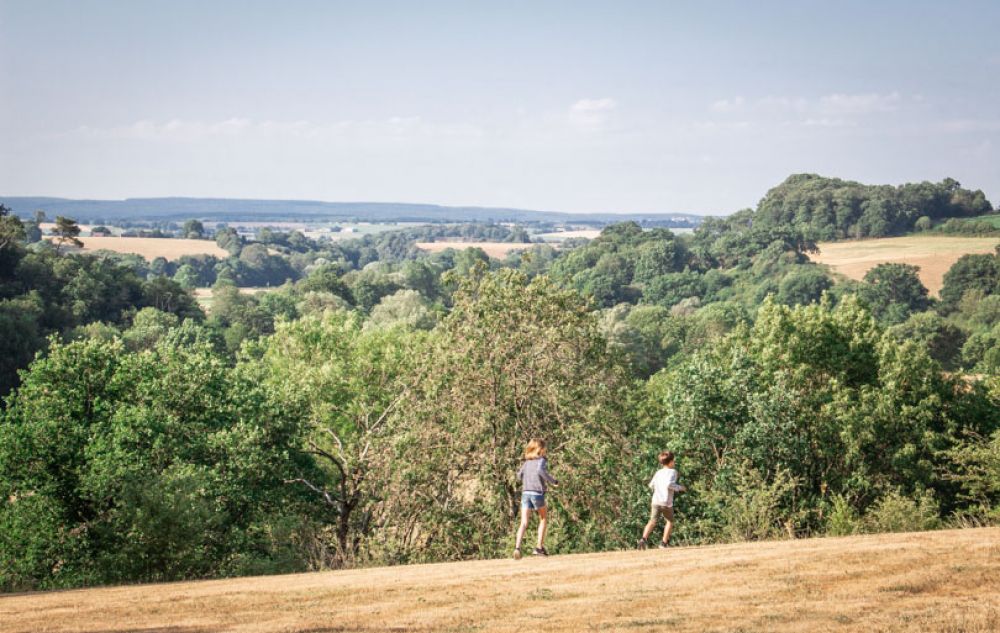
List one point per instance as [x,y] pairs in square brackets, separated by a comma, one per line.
[532,500]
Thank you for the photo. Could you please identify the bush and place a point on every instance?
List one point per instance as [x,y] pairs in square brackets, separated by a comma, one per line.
[842,519]
[754,506]
[898,513]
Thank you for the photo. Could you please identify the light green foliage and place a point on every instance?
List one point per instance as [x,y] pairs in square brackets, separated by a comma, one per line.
[896,512]
[841,518]
[515,359]
[975,466]
[818,391]
[148,326]
[407,308]
[750,504]
[344,382]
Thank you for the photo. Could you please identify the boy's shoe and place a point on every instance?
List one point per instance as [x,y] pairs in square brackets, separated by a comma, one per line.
[540,551]
[517,553]
[664,545]
[641,544]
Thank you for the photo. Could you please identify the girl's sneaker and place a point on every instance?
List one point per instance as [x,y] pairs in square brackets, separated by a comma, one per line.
[517,553]
[540,551]
[663,545]
[641,544]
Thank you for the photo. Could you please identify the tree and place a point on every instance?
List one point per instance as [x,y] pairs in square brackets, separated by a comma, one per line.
[193,229]
[970,272]
[66,231]
[186,277]
[803,287]
[893,292]
[11,229]
[345,382]
[156,466]
[819,394]
[514,359]
[406,308]
[229,240]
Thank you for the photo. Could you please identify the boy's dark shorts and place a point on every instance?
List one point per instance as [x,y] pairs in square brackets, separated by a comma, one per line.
[666,511]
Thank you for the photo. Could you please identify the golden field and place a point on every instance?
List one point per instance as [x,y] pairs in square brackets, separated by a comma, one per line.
[152,247]
[929,581]
[493,249]
[934,254]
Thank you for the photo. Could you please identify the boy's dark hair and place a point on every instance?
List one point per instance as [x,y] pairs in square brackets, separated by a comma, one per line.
[666,457]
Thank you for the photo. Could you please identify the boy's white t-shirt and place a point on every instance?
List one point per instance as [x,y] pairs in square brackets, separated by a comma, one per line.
[663,484]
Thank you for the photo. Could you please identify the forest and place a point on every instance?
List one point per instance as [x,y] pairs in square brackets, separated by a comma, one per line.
[371,408]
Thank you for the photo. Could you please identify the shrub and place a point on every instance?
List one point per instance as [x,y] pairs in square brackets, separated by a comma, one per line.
[842,519]
[898,513]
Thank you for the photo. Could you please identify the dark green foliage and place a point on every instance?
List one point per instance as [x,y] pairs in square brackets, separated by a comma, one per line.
[803,287]
[155,466]
[830,208]
[970,272]
[893,291]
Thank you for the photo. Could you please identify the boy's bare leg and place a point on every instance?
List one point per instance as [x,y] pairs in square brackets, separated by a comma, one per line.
[650,525]
[521,529]
[667,529]
[542,525]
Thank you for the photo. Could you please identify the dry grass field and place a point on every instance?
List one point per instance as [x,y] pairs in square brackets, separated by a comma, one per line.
[559,236]
[935,254]
[932,581]
[153,247]
[493,249]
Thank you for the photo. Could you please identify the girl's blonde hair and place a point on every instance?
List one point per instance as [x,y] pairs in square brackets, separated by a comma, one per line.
[535,449]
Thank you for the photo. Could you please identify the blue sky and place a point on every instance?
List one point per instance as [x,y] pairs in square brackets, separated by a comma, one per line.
[569,106]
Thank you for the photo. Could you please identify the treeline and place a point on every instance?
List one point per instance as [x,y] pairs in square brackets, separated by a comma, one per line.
[830,208]
[375,413]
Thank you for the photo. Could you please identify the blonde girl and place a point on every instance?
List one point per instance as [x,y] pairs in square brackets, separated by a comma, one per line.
[535,478]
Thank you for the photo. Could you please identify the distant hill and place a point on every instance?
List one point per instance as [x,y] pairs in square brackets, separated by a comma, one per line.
[831,209]
[233,210]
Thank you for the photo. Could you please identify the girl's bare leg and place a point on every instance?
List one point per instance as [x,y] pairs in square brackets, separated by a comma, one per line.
[521,529]
[542,524]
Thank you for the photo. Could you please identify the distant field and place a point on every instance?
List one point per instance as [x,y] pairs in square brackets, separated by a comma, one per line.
[930,581]
[153,247]
[205,299]
[935,254]
[493,249]
[559,236]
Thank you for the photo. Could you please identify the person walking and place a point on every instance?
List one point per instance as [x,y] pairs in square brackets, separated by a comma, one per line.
[535,479]
[664,485]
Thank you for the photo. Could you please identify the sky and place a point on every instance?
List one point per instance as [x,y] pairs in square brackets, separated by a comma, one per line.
[623,106]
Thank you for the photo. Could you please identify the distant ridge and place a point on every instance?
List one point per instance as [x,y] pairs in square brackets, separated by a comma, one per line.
[234,209]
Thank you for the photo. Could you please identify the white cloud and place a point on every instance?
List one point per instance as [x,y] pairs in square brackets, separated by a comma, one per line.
[728,105]
[783,104]
[859,104]
[592,114]
[236,128]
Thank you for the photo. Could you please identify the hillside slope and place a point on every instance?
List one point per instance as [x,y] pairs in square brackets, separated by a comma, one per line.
[934,254]
[931,581]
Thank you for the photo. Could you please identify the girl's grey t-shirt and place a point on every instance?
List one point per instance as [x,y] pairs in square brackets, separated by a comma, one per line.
[534,475]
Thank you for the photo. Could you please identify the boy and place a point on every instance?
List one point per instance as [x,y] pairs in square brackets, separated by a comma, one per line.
[664,485]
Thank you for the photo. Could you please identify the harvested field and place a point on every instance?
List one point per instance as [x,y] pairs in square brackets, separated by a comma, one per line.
[559,236]
[153,247]
[930,581]
[935,254]
[493,249]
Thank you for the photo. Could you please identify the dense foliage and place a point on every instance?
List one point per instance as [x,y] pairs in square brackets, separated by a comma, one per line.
[372,406]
